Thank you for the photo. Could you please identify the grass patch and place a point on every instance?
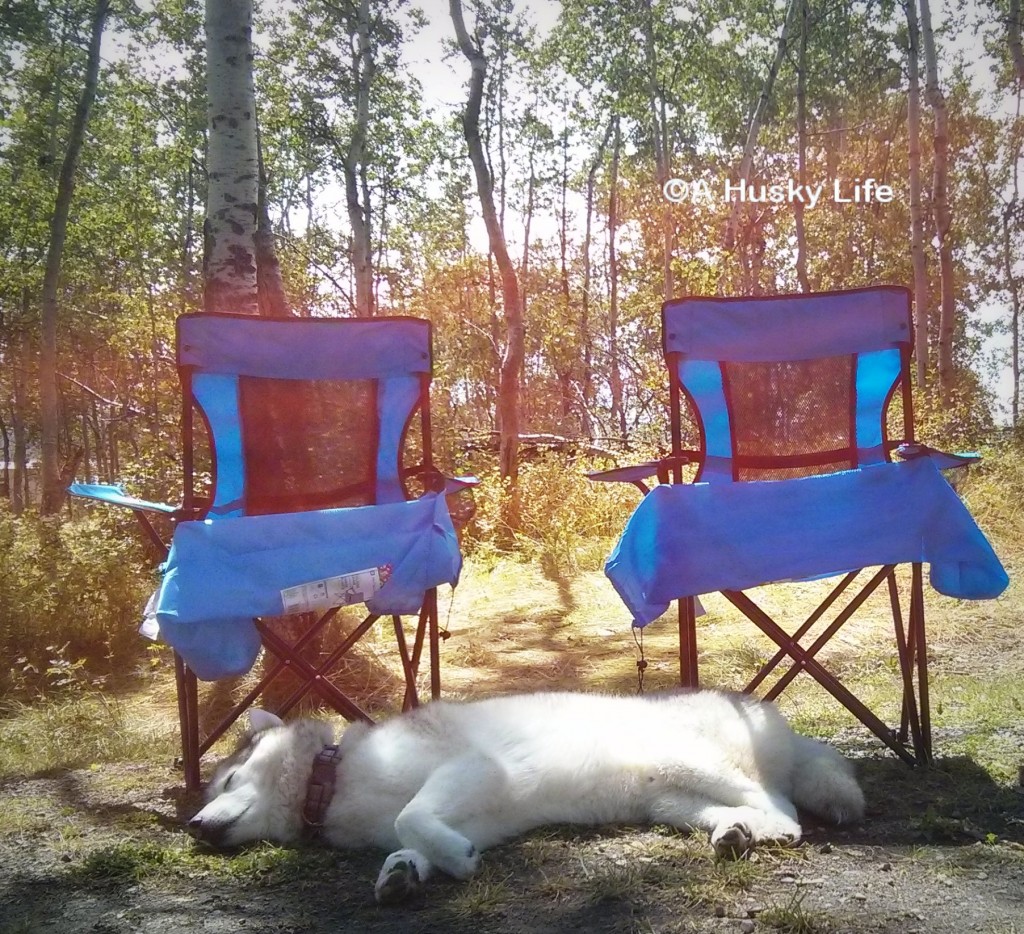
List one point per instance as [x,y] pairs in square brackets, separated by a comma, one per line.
[133,860]
[485,894]
[24,815]
[77,732]
[793,918]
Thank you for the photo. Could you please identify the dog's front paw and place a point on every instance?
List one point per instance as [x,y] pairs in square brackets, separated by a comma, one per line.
[732,842]
[400,877]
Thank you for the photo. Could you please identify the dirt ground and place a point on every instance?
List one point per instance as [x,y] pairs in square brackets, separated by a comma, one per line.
[941,851]
[104,849]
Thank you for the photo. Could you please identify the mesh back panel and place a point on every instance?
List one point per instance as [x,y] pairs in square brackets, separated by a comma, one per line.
[791,409]
[308,445]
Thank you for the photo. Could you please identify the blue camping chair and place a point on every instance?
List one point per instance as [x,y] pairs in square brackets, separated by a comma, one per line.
[794,480]
[312,505]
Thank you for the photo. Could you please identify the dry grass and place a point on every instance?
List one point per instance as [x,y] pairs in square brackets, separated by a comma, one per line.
[521,623]
[514,627]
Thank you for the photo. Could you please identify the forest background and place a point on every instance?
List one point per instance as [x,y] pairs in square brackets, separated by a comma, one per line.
[372,200]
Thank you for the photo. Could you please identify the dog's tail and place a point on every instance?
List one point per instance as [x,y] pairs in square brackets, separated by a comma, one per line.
[824,783]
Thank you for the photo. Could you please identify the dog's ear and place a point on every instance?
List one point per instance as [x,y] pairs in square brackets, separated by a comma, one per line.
[260,720]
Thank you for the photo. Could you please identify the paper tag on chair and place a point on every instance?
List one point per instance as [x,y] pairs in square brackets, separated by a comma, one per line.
[316,596]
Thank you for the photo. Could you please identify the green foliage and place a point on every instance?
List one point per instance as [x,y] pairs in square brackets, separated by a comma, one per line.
[77,731]
[71,595]
[994,492]
[793,918]
[567,521]
[265,863]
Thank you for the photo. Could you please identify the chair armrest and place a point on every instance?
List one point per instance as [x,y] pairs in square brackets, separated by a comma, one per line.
[637,473]
[943,460]
[116,496]
[458,484]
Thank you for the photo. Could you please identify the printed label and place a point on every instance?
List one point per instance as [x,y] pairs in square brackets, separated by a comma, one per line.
[316,596]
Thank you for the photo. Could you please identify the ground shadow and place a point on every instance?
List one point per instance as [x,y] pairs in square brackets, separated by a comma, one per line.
[952,802]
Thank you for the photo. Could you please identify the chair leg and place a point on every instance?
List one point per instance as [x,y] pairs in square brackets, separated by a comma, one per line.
[921,648]
[410,663]
[688,675]
[910,723]
[430,605]
[779,657]
[808,663]
[314,678]
[840,620]
[188,721]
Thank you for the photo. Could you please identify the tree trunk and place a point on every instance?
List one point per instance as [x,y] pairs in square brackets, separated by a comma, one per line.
[614,373]
[356,191]
[524,266]
[515,330]
[54,491]
[801,149]
[232,160]
[567,367]
[1013,29]
[587,391]
[20,370]
[755,122]
[5,478]
[917,253]
[272,300]
[941,214]
[1011,280]
[659,138]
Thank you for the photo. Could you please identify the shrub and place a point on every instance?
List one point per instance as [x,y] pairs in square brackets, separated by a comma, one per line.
[71,595]
[566,520]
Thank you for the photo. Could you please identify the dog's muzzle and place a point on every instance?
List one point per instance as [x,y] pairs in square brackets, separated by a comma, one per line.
[209,830]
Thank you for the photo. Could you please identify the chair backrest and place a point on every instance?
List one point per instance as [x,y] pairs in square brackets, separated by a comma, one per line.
[304,413]
[789,385]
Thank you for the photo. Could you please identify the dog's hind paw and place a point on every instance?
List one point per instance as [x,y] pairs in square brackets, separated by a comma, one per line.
[733,842]
[400,877]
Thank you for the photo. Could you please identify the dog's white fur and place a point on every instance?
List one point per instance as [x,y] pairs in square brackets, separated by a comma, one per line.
[439,784]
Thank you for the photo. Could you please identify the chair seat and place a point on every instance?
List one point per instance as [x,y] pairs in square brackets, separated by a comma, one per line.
[685,540]
[220,574]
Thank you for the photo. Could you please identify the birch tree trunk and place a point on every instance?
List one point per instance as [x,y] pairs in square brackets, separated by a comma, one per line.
[565,293]
[755,121]
[917,254]
[1014,286]
[515,329]
[272,299]
[1013,29]
[587,378]
[614,373]
[54,491]
[801,149]
[941,213]
[356,191]
[662,155]
[232,160]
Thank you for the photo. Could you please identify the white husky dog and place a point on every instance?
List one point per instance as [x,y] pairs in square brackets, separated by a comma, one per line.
[438,784]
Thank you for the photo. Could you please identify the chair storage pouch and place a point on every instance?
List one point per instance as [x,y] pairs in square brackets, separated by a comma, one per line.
[685,540]
[219,574]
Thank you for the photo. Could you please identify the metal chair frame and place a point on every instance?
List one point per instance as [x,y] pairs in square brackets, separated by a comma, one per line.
[911,740]
[287,657]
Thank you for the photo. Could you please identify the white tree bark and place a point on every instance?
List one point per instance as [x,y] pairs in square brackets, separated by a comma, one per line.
[356,193]
[232,159]
[755,121]
[941,213]
[917,254]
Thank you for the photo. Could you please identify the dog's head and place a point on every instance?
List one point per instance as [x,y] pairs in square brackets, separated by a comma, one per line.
[257,793]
